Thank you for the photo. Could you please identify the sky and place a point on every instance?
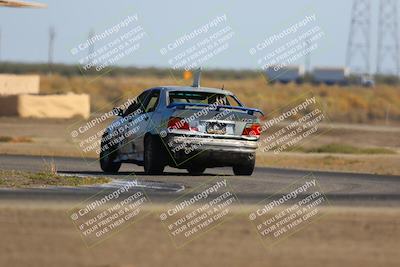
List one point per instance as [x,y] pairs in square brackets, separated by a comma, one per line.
[25,31]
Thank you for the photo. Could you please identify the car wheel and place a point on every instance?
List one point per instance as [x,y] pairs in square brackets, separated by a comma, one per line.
[196,170]
[246,168]
[153,156]
[107,157]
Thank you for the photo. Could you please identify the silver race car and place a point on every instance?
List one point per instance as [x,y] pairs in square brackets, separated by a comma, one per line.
[185,127]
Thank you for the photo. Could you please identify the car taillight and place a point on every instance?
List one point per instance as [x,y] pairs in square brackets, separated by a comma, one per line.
[252,129]
[178,124]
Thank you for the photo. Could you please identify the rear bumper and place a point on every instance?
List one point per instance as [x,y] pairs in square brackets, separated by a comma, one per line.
[210,152]
[183,142]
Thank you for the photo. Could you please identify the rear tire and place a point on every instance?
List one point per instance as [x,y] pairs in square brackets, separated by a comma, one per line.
[154,160]
[196,170]
[107,157]
[245,168]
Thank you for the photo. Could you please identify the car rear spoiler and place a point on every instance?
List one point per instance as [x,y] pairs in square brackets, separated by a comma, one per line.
[250,111]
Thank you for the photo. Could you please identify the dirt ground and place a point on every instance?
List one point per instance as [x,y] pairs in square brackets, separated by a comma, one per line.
[43,235]
[374,164]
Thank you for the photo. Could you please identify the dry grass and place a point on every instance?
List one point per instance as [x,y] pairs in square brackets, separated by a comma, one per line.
[19,179]
[345,149]
[342,104]
[15,139]
[50,167]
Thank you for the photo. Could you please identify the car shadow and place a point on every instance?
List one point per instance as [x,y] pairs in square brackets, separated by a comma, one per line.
[141,173]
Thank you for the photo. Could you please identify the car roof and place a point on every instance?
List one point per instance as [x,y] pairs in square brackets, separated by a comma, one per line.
[195,89]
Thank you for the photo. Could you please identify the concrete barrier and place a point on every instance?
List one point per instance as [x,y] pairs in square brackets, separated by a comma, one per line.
[45,106]
[19,84]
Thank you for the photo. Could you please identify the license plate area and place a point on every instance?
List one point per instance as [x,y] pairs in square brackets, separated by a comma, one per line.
[215,128]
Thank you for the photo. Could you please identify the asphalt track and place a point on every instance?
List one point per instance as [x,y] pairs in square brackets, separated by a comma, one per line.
[339,188]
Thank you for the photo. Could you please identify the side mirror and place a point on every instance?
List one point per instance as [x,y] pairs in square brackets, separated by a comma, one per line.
[118,112]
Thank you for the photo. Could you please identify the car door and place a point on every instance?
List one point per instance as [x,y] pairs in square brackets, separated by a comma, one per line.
[130,119]
[146,124]
[139,121]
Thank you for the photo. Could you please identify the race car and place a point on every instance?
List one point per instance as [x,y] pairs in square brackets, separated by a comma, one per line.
[185,127]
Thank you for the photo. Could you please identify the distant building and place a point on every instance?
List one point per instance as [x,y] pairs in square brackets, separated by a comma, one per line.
[331,75]
[285,74]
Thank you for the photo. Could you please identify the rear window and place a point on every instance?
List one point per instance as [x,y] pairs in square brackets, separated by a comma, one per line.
[202,98]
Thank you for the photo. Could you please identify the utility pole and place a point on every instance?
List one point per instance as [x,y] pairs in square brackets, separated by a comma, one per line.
[91,47]
[0,44]
[359,42]
[307,58]
[388,39]
[52,36]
